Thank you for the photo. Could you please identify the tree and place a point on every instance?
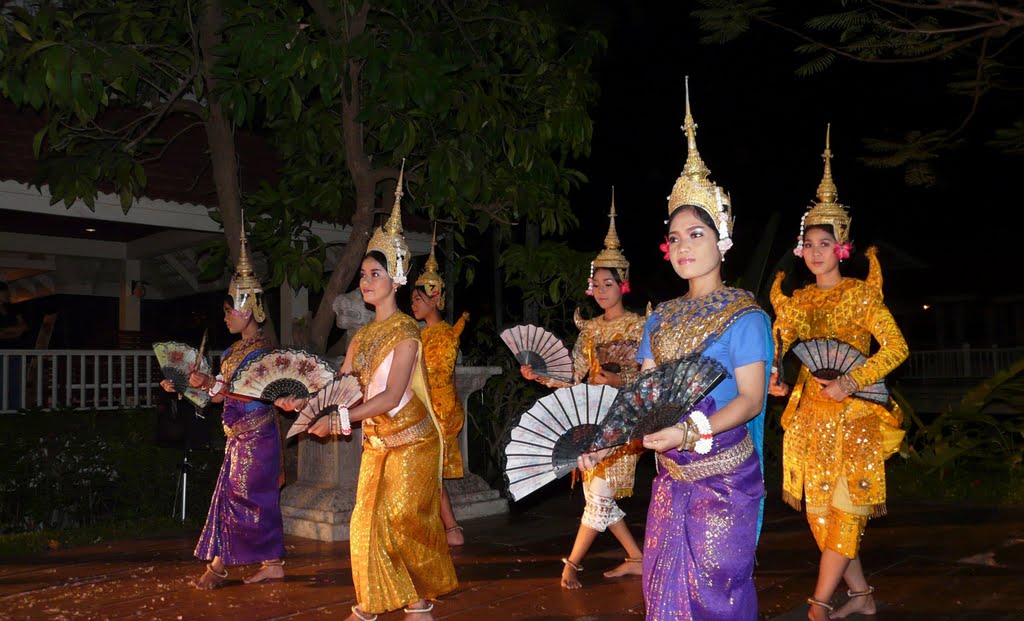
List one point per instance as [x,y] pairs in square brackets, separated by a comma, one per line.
[486,102]
[975,44]
[119,82]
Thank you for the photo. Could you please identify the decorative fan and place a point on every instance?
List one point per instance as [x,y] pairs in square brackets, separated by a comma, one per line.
[827,359]
[177,361]
[616,355]
[281,373]
[658,399]
[540,349]
[546,440]
[339,392]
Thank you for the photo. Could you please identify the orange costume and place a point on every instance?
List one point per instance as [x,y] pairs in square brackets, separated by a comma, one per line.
[440,350]
[834,452]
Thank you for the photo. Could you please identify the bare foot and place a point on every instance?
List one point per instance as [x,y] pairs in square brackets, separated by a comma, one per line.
[629,568]
[360,615]
[818,613]
[570,578]
[420,611]
[454,536]
[862,604]
[266,573]
[209,580]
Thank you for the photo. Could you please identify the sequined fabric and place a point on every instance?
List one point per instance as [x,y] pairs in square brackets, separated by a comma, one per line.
[398,546]
[243,525]
[702,534]
[826,441]
[618,470]
[440,351]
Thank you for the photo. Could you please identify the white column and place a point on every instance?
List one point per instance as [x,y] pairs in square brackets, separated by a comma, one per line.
[130,316]
[294,306]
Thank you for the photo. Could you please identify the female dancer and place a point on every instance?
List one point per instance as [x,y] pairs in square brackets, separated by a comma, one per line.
[608,282]
[440,351]
[702,524]
[835,445]
[244,524]
[399,555]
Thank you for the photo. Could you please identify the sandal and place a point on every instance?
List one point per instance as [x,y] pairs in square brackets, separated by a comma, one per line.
[359,614]
[409,611]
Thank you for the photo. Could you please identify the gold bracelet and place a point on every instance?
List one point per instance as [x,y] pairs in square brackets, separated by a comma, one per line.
[848,384]
[690,436]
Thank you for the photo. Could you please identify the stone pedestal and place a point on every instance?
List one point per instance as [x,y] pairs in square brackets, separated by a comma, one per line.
[319,504]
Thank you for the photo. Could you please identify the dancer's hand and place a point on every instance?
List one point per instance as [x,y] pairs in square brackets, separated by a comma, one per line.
[589,461]
[527,372]
[322,427]
[167,385]
[664,440]
[776,387]
[606,377]
[832,389]
[199,380]
[291,403]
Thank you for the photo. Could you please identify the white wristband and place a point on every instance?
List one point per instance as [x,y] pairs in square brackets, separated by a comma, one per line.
[703,445]
[346,424]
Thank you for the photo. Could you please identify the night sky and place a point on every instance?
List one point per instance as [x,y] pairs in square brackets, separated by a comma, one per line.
[761,132]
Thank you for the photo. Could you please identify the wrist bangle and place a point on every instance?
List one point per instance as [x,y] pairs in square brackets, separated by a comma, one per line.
[848,384]
[345,425]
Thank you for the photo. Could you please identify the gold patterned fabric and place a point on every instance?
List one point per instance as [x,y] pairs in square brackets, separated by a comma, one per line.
[440,351]
[619,468]
[398,546]
[239,351]
[828,442]
[689,326]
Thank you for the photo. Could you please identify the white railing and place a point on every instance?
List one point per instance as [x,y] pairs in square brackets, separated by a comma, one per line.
[81,379]
[963,363]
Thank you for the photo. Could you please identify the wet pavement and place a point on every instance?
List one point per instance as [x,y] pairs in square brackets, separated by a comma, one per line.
[927,562]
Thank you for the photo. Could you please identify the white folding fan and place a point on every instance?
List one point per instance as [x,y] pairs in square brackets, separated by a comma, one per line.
[546,440]
[544,351]
[177,361]
[829,358]
[339,392]
[281,373]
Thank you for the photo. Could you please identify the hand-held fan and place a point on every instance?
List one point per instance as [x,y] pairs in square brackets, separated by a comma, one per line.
[281,373]
[617,355]
[339,392]
[540,349]
[546,440]
[659,398]
[827,359]
[177,361]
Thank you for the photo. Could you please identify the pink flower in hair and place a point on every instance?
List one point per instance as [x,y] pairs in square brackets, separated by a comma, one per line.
[664,248]
[843,250]
[624,287]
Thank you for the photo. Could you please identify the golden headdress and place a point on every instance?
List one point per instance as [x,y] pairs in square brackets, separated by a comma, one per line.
[389,241]
[827,211]
[611,257]
[245,289]
[694,188]
[430,279]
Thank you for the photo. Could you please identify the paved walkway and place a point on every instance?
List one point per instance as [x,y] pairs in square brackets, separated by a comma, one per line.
[927,562]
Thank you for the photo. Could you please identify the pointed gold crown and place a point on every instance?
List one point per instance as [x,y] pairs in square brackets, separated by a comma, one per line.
[611,256]
[245,289]
[389,241]
[693,186]
[827,211]
[430,279]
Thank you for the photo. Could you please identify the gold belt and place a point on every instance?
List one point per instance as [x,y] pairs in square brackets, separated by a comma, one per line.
[248,425]
[723,462]
[421,429]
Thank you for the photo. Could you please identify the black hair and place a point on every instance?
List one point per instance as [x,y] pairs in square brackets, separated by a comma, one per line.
[828,228]
[700,214]
[379,257]
[614,270]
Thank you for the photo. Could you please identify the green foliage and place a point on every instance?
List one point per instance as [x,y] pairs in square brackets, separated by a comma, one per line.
[551,275]
[971,434]
[70,469]
[977,46]
[487,102]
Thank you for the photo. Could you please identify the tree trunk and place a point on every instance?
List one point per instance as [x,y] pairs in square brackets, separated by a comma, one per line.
[219,133]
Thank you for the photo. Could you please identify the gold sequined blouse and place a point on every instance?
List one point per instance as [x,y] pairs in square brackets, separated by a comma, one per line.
[440,351]
[825,439]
